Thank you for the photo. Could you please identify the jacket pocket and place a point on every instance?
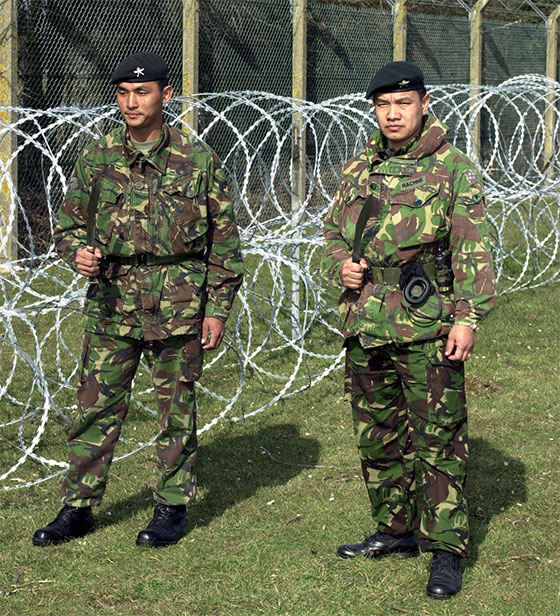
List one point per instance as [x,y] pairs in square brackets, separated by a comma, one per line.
[182,213]
[417,214]
[445,380]
[354,200]
[185,288]
[110,219]
[108,298]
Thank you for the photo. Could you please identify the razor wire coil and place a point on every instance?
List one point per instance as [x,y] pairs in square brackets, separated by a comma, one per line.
[252,133]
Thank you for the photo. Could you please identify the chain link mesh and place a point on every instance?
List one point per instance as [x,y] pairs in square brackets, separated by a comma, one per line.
[245,45]
[345,45]
[429,41]
[511,49]
[67,49]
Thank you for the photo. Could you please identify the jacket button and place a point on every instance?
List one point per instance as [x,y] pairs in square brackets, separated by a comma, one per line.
[139,185]
[190,194]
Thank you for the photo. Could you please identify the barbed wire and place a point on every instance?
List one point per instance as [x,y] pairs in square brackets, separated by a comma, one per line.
[40,296]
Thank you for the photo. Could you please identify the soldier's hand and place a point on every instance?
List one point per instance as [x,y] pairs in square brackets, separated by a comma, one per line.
[352,274]
[460,343]
[212,333]
[88,262]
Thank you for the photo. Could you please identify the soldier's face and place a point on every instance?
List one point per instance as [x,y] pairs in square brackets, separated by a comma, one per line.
[400,115]
[142,104]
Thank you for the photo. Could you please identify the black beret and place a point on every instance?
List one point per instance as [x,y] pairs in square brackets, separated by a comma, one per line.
[396,77]
[140,67]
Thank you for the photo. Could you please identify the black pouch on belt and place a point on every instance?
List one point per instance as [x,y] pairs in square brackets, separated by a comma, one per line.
[416,287]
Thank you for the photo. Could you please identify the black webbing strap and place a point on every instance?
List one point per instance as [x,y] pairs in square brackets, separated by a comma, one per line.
[92,212]
[360,226]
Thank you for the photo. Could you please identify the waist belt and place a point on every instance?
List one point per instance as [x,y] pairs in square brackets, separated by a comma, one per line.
[149,258]
[391,275]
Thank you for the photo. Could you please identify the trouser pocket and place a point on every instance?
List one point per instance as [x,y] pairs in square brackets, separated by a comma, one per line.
[445,380]
[191,359]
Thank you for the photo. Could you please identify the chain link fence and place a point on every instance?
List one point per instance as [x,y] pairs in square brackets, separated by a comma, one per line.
[245,45]
[68,48]
[345,45]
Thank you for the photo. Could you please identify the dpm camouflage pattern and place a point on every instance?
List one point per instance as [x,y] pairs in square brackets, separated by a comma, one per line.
[107,367]
[412,439]
[424,192]
[173,201]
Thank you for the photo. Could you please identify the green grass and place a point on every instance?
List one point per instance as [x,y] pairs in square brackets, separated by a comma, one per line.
[280,491]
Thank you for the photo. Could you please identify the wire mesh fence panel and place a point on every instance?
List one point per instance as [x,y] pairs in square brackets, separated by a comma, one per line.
[511,49]
[69,48]
[245,45]
[440,45]
[345,46]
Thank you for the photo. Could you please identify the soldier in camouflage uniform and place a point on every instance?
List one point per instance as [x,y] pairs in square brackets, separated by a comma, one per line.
[167,265]
[420,281]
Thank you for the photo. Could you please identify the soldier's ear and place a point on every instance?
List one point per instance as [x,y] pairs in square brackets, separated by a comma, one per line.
[166,93]
[425,103]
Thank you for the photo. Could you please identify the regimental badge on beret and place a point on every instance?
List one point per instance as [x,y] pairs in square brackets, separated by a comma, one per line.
[140,67]
[396,77]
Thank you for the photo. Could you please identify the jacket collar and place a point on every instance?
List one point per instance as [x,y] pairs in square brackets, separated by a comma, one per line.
[158,155]
[429,140]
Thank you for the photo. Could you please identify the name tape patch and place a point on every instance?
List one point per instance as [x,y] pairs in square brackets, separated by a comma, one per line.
[408,184]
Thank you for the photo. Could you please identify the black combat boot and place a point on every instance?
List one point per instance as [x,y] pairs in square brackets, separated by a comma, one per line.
[382,544]
[166,528]
[70,523]
[445,575]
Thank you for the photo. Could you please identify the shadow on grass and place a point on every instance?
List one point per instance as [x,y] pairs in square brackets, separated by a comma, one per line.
[232,469]
[495,483]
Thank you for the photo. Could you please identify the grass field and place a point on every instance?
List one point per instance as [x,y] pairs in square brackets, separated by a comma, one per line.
[279,492]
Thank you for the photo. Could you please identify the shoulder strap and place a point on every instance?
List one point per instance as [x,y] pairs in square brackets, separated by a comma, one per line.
[92,211]
[360,226]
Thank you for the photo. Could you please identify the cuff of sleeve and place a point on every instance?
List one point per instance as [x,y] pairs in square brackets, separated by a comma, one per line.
[465,316]
[213,310]
[332,275]
[473,324]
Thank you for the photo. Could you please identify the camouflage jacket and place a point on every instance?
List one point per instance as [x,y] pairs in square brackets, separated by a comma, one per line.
[174,201]
[427,191]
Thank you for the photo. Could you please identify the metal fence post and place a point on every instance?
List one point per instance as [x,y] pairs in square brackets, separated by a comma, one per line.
[299,92]
[190,58]
[476,62]
[399,30]
[8,142]
[552,72]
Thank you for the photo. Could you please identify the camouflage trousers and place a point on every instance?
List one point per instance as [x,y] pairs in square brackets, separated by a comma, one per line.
[108,366]
[410,424]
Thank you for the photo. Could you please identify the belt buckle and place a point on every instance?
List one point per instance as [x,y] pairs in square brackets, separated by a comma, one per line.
[383,281]
[142,260]
[372,269]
